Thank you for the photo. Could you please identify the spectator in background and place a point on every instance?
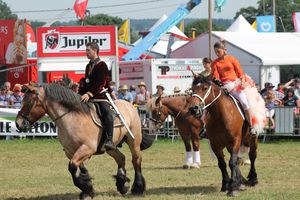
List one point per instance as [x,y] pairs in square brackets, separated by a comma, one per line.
[133,92]
[4,97]
[143,96]
[159,90]
[124,94]
[114,93]
[176,90]
[280,88]
[7,86]
[207,66]
[270,86]
[66,80]
[291,99]
[141,99]
[75,87]
[271,103]
[295,84]
[15,100]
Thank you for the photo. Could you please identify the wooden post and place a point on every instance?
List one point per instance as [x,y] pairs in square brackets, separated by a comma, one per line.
[209,28]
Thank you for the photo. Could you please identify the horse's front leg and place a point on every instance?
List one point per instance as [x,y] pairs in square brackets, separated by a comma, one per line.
[235,181]
[196,149]
[121,178]
[80,175]
[222,165]
[252,176]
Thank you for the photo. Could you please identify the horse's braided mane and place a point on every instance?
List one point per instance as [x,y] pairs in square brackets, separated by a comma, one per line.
[175,95]
[66,97]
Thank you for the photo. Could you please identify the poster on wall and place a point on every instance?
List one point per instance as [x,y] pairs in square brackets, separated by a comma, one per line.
[13,41]
[71,41]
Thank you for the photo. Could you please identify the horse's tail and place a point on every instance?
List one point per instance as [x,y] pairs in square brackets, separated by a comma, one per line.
[147,141]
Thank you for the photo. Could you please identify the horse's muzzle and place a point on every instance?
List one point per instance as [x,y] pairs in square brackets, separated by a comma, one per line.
[196,110]
[25,126]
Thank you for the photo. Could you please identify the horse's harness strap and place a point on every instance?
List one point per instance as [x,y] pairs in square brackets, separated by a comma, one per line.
[205,96]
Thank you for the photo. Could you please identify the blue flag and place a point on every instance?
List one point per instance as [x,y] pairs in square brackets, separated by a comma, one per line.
[219,4]
[265,23]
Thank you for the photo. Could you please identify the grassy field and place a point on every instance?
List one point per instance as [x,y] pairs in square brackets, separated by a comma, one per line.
[37,169]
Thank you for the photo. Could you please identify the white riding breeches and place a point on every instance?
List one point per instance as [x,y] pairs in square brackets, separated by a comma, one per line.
[241,96]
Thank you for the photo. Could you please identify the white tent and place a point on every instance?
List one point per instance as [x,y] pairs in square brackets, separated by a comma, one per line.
[241,25]
[260,54]
[161,46]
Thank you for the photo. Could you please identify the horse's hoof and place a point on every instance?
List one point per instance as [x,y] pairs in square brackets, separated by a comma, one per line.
[85,196]
[233,193]
[196,165]
[252,183]
[242,187]
[186,166]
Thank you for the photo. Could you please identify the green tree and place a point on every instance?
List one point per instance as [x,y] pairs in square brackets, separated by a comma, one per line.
[283,10]
[5,12]
[201,26]
[102,19]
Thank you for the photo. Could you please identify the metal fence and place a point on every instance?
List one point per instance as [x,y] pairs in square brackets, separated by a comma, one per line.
[287,123]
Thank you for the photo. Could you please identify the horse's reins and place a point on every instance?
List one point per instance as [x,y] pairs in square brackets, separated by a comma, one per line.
[205,96]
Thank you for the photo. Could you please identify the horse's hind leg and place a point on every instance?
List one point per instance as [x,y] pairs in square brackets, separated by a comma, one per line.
[252,176]
[188,150]
[121,178]
[80,175]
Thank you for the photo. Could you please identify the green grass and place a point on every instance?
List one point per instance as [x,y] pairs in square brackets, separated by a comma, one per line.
[37,169]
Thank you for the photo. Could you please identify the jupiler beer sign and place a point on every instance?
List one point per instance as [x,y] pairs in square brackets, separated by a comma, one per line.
[71,41]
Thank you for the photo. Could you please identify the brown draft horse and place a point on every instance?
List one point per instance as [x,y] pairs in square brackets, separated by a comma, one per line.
[80,136]
[225,129]
[188,126]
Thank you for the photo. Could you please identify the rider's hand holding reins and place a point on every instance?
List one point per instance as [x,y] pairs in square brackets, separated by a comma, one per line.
[85,98]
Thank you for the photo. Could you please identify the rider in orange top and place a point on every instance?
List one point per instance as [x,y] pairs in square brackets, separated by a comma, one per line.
[227,69]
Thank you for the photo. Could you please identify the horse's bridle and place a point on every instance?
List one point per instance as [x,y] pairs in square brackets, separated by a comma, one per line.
[202,99]
[24,115]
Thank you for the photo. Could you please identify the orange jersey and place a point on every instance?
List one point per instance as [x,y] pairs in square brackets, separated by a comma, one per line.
[228,69]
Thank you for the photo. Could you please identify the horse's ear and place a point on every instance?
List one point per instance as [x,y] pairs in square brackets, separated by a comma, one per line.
[29,87]
[195,74]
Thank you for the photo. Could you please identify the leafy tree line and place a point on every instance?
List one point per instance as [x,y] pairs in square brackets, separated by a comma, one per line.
[283,11]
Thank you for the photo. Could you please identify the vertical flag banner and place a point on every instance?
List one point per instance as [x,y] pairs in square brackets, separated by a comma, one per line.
[296,20]
[80,8]
[265,23]
[254,25]
[219,4]
[123,33]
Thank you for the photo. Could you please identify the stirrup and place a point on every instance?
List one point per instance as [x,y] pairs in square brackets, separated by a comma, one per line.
[108,145]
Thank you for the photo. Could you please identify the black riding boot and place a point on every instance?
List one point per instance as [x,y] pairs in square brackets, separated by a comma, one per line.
[108,122]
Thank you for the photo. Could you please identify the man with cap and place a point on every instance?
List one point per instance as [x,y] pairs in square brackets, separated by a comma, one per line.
[96,80]
[159,90]
[143,96]
[124,94]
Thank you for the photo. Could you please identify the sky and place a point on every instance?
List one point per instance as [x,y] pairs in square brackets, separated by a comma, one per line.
[152,9]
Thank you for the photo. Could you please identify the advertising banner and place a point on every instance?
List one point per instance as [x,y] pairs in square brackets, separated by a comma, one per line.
[13,42]
[71,41]
[44,127]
